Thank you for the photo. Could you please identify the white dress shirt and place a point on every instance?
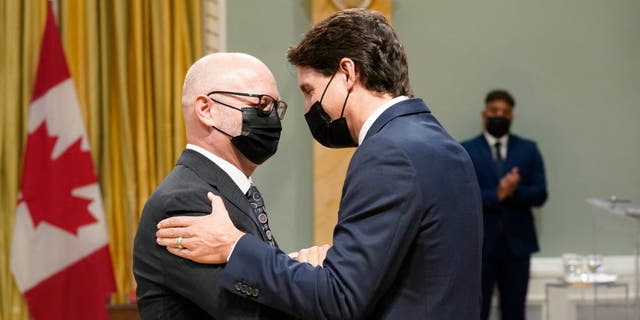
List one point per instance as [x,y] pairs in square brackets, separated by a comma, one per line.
[243,182]
[375,115]
[491,140]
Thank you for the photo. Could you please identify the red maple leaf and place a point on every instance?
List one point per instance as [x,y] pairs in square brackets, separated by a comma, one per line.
[47,183]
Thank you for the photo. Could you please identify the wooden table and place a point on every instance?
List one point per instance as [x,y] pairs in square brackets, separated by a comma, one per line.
[123,311]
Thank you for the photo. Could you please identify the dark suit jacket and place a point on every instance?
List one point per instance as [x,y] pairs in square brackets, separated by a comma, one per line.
[170,287]
[408,240]
[515,212]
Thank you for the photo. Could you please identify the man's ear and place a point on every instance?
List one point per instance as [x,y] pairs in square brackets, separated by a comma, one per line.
[202,108]
[348,67]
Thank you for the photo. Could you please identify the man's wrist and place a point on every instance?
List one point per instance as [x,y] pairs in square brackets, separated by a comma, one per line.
[240,234]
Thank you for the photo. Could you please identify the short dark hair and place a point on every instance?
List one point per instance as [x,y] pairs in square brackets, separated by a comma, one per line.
[366,38]
[500,94]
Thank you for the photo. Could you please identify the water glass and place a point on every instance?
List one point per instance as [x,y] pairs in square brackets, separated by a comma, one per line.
[573,264]
[594,262]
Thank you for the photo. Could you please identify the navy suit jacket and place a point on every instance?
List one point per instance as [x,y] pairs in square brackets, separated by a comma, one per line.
[515,211]
[170,287]
[408,240]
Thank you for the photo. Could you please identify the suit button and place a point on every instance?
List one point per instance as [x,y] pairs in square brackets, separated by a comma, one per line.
[238,286]
[256,292]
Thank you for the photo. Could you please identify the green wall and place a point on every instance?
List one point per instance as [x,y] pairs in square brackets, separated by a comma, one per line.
[573,67]
[266,29]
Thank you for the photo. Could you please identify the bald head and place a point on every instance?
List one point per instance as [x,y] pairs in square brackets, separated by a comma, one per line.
[210,119]
[226,72]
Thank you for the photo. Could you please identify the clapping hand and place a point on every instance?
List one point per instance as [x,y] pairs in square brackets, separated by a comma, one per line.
[508,184]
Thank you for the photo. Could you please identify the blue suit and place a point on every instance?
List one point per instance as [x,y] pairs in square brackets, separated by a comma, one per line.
[408,240]
[509,231]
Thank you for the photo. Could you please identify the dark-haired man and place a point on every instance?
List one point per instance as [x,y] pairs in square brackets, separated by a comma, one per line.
[511,176]
[408,239]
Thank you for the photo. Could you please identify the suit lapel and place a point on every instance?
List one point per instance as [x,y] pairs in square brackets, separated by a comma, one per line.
[218,179]
[512,146]
[402,108]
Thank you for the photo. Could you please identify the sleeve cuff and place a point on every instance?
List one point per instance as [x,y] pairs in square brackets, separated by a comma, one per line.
[232,248]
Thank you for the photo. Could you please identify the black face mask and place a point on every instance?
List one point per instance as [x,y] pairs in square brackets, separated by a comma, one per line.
[498,126]
[260,133]
[331,134]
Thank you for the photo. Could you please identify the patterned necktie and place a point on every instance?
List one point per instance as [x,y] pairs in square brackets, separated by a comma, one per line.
[257,206]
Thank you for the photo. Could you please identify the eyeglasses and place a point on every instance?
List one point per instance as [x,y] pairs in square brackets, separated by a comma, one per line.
[265,102]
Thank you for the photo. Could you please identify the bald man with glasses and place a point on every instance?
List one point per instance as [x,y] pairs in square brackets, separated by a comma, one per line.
[232,116]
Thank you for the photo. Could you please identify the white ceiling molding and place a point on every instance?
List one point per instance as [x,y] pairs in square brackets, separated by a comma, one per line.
[214,25]
[348,4]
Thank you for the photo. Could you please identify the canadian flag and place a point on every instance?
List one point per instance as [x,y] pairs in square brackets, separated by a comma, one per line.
[60,251]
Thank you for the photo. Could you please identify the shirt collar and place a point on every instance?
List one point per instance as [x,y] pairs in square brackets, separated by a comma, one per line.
[491,140]
[375,115]
[243,182]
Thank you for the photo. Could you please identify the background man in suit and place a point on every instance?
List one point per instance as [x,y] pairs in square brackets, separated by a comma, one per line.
[232,116]
[408,239]
[511,176]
